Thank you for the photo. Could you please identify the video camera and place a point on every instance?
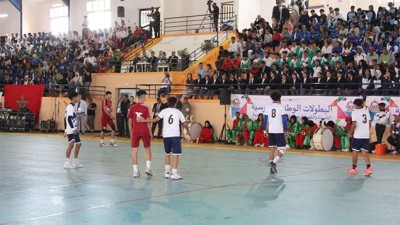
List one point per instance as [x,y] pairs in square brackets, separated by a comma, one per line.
[209,2]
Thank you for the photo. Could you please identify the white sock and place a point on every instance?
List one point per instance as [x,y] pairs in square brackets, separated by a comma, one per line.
[75,159]
[101,141]
[135,169]
[276,159]
[148,164]
[112,140]
[174,171]
[167,169]
[66,159]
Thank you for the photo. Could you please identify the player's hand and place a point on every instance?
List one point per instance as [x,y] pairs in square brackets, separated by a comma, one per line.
[141,120]
[65,134]
[74,132]
[349,135]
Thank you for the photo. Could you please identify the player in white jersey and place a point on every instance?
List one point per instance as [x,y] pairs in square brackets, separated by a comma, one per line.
[172,118]
[360,131]
[275,125]
[72,132]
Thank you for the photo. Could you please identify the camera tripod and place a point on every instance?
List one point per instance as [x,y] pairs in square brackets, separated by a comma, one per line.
[208,13]
[222,135]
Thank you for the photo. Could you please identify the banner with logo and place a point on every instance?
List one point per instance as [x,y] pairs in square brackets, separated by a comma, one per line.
[316,108]
[19,97]
[392,105]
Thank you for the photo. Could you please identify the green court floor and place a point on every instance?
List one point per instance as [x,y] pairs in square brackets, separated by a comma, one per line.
[219,187]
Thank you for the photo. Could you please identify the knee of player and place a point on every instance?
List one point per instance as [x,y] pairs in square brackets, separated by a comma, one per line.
[78,144]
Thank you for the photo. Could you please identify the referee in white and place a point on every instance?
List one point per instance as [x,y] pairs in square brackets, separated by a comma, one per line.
[172,118]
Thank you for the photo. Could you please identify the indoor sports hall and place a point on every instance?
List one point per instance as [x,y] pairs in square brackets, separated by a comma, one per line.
[199,112]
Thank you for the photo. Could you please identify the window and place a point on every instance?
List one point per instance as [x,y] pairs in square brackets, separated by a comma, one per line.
[99,14]
[144,20]
[59,19]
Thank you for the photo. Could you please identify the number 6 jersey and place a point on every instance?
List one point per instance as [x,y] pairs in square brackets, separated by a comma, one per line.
[171,122]
[362,119]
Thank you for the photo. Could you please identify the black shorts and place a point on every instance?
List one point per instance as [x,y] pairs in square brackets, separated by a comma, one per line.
[360,144]
[277,140]
[74,137]
[173,144]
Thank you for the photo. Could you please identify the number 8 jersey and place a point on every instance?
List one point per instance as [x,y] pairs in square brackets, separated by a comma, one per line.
[362,119]
[275,116]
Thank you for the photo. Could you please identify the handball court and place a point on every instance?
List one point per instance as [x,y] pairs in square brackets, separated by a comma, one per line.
[222,185]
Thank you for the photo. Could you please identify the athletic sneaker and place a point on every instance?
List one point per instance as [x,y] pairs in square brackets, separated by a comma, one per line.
[345,150]
[103,144]
[76,164]
[136,174]
[167,175]
[395,152]
[176,176]
[273,168]
[368,171]
[149,172]
[113,144]
[352,171]
[257,145]
[66,165]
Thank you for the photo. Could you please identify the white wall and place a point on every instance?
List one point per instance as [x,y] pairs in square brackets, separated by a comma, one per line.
[11,23]
[247,11]
[132,7]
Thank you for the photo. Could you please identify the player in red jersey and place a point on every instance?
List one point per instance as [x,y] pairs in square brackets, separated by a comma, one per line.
[140,131]
[107,118]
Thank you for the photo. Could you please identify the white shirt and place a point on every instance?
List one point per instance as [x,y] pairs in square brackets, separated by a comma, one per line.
[382,117]
[70,111]
[233,47]
[362,119]
[171,125]
[80,107]
[275,112]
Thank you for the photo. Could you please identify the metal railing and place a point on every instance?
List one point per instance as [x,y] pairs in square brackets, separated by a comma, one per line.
[195,23]
[203,91]
[61,90]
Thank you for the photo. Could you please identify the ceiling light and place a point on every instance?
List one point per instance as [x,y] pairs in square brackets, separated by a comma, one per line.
[3,15]
[57,5]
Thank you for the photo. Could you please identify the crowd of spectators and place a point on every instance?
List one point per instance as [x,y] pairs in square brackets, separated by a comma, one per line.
[305,52]
[64,61]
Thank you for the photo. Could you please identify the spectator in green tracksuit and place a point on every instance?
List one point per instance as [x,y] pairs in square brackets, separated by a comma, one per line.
[294,129]
[341,139]
[231,134]
[246,131]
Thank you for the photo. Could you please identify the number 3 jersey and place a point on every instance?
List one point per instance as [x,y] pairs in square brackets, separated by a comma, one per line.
[139,111]
[171,122]
[362,118]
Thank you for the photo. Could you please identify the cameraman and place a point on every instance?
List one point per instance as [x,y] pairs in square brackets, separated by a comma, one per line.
[215,14]
[165,85]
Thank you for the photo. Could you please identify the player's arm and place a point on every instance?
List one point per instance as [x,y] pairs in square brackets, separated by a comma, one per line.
[265,125]
[129,125]
[69,121]
[285,123]
[149,120]
[184,122]
[353,127]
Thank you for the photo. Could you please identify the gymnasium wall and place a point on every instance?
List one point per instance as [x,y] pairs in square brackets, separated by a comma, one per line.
[12,20]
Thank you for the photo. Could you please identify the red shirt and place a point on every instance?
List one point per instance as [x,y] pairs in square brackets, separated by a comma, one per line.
[136,111]
[236,63]
[106,105]
[227,64]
